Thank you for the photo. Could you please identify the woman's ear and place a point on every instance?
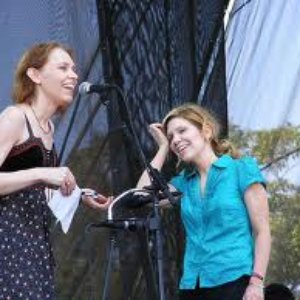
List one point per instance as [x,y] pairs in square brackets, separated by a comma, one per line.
[34,75]
[207,132]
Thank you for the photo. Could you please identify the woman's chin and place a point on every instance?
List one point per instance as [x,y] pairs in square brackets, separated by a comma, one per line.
[189,159]
[185,158]
[66,101]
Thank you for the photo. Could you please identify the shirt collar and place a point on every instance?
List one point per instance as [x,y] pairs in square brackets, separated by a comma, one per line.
[222,162]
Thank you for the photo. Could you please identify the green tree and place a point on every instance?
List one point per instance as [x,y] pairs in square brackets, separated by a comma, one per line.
[277,150]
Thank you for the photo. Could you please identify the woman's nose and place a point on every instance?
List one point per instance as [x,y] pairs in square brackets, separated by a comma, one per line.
[73,74]
[175,139]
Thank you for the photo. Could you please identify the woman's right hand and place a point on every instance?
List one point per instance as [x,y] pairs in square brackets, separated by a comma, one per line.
[98,202]
[157,132]
[61,177]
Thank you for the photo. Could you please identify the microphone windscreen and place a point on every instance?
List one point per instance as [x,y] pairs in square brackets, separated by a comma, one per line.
[84,88]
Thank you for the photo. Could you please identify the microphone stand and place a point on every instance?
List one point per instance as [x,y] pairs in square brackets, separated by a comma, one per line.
[108,268]
[158,184]
[132,224]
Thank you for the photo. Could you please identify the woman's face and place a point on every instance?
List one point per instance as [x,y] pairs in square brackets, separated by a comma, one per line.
[185,139]
[57,78]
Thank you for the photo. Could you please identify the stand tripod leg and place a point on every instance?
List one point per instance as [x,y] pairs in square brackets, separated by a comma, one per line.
[152,290]
[112,241]
[159,253]
[155,226]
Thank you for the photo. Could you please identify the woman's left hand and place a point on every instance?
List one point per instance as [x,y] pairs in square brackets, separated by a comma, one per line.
[98,202]
[254,292]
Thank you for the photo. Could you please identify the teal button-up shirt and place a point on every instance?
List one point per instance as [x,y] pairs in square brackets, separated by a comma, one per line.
[219,244]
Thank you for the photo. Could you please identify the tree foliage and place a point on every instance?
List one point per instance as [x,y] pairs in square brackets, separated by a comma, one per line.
[277,150]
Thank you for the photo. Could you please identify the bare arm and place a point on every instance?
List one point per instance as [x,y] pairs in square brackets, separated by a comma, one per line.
[12,132]
[160,156]
[158,160]
[257,205]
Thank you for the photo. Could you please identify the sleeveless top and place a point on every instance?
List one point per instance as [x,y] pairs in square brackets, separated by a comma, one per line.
[26,260]
[29,154]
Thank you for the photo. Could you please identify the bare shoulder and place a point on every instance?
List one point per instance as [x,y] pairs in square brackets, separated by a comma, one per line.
[12,122]
[12,114]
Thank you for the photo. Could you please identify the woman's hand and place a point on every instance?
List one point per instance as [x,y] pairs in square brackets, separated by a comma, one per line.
[254,292]
[61,177]
[97,201]
[157,132]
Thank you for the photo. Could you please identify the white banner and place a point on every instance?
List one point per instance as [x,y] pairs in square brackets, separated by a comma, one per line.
[263,63]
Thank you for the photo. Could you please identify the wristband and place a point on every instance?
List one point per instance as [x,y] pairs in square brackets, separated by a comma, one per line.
[257,275]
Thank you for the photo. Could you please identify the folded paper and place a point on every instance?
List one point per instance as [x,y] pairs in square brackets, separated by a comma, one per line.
[64,207]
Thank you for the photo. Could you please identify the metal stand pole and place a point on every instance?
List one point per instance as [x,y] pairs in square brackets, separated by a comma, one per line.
[155,224]
[158,184]
[112,241]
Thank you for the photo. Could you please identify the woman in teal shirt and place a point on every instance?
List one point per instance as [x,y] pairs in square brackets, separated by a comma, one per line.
[224,208]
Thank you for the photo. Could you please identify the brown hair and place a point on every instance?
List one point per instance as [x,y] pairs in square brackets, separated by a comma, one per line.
[199,117]
[35,57]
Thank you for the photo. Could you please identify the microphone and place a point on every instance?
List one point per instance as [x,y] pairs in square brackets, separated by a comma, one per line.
[138,200]
[88,88]
[128,224]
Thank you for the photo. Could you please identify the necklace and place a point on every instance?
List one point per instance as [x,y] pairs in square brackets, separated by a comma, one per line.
[39,123]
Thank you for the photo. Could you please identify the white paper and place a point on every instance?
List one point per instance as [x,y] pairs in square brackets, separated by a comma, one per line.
[64,207]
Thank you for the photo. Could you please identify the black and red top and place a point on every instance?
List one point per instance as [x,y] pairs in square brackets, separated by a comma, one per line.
[26,260]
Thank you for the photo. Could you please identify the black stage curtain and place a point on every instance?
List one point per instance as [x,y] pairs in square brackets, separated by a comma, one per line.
[161,53]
